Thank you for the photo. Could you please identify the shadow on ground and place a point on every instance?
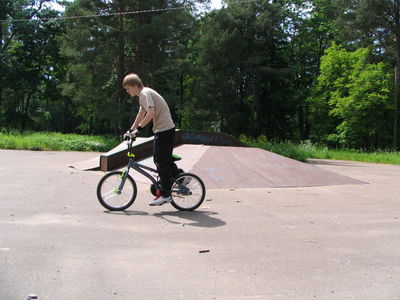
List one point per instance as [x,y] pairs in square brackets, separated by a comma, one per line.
[182,218]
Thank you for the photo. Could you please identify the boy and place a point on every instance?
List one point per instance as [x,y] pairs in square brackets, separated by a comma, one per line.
[154,107]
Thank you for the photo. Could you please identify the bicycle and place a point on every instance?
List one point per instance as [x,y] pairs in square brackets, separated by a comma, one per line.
[117,190]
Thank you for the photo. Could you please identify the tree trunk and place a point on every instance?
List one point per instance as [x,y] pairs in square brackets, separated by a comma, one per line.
[257,105]
[301,124]
[25,111]
[1,34]
[138,49]
[182,104]
[396,101]
[1,55]
[66,114]
[120,66]
[397,73]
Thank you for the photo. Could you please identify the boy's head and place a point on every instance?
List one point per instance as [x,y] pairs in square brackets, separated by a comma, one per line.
[133,84]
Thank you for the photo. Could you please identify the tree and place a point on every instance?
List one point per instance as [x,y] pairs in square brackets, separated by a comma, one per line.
[366,110]
[376,22]
[101,51]
[350,104]
[311,28]
[242,73]
[31,66]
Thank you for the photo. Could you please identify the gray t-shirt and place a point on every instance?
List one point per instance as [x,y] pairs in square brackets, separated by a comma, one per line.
[162,120]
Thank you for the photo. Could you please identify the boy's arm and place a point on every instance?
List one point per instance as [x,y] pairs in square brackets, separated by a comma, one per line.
[149,116]
[139,118]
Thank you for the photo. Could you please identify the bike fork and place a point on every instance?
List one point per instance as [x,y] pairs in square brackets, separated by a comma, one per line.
[123,177]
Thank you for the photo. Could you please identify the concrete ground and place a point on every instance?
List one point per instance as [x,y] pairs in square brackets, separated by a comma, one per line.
[336,242]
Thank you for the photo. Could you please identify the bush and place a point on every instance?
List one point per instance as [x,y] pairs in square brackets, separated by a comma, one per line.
[305,150]
[56,141]
[299,152]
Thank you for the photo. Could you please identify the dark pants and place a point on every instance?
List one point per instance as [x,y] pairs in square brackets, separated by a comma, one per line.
[162,152]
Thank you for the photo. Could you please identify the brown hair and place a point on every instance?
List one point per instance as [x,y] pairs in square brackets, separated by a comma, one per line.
[132,80]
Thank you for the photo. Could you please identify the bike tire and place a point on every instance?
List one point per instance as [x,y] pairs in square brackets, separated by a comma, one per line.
[130,195]
[178,199]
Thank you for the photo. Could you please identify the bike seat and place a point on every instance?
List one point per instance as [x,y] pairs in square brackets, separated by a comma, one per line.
[176,157]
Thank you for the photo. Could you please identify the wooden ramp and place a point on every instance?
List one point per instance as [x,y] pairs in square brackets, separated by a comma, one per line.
[223,162]
[245,167]
[143,148]
[94,163]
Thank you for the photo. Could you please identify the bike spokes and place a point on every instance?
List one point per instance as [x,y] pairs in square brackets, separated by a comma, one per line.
[113,195]
[187,192]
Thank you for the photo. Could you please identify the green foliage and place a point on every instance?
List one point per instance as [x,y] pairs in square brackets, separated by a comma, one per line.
[375,24]
[52,141]
[378,156]
[306,150]
[31,68]
[350,105]
[154,45]
[242,71]
[252,67]
[299,151]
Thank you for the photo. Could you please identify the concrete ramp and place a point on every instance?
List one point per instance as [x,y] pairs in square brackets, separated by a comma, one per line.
[243,167]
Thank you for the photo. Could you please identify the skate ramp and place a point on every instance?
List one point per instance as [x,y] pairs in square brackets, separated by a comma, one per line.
[191,154]
[94,163]
[243,167]
[143,148]
[87,165]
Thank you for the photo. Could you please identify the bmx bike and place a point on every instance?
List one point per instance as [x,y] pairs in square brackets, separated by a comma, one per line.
[117,190]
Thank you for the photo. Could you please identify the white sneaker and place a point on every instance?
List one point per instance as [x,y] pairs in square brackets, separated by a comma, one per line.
[160,201]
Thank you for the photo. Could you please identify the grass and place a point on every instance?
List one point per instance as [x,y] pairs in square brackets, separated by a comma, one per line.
[303,151]
[52,141]
[306,150]
[380,156]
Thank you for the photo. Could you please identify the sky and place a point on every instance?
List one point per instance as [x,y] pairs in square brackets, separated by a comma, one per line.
[214,4]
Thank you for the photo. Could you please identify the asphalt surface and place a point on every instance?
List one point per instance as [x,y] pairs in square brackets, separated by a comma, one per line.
[57,242]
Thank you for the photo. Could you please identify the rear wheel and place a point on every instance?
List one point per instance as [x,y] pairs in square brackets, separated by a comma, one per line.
[187,192]
[108,192]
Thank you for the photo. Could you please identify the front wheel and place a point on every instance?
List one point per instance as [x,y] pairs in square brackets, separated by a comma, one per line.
[187,192]
[112,195]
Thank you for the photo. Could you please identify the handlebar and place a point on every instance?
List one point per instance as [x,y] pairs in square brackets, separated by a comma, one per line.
[129,142]
[130,137]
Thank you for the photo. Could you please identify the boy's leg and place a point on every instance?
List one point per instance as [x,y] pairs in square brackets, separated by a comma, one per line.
[175,170]
[163,146]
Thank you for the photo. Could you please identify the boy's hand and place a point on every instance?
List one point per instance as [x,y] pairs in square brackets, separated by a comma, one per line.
[130,135]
